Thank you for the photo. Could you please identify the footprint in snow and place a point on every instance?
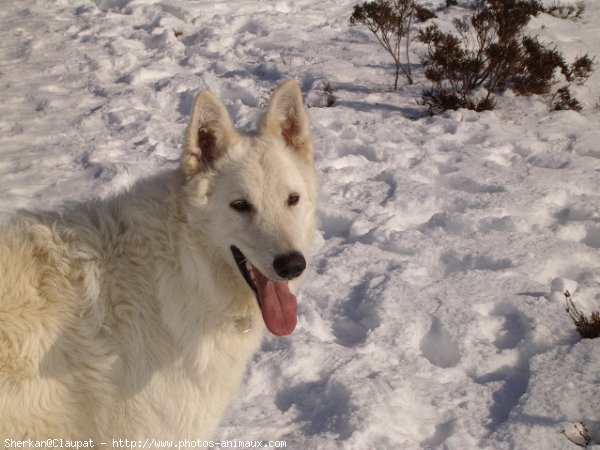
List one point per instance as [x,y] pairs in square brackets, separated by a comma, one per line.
[512,332]
[470,186]
[323,406]
[357,316]
[438,346]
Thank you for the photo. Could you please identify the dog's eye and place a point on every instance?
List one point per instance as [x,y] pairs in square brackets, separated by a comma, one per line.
[241,205]
[293,199]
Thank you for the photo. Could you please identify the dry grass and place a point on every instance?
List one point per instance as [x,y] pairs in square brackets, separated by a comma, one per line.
[588,327]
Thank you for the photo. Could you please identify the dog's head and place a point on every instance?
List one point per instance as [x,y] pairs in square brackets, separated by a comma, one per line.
[254,196]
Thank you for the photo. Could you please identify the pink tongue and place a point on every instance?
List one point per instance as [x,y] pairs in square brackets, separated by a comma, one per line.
[278,305]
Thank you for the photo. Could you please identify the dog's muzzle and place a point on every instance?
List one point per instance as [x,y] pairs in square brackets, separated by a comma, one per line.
[277,304]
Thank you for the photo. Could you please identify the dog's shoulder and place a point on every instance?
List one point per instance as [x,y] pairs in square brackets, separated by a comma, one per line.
[33,251]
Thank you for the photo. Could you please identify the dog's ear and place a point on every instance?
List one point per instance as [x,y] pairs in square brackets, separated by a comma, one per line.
[208,134]
[286,118]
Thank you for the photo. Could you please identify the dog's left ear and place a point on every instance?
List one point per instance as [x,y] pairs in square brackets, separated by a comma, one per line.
[287,119]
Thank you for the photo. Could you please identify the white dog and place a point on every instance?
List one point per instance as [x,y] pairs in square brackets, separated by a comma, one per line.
[134,318]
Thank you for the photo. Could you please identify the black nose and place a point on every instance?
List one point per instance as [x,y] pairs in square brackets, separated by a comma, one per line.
[290,265]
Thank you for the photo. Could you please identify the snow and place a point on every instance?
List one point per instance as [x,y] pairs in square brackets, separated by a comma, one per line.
[432,316]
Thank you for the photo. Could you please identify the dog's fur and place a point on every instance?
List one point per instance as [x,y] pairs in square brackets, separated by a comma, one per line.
[127,318]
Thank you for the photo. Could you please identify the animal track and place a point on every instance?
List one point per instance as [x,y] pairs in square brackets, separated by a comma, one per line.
[512,332]
[324,406]
[470,186]
[454,263]
[514,378]
[580,221]
[438,346]
[335,223]
[357,315]
[592,237]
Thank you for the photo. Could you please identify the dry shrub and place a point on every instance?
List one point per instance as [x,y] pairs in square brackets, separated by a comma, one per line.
[490,52]
[390,21]
[588,327]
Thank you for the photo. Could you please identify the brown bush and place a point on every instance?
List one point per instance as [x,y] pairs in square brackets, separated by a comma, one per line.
[491,52]
[390,21]
[588,327]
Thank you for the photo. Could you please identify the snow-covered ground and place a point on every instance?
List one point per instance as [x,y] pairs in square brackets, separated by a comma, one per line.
[429,318]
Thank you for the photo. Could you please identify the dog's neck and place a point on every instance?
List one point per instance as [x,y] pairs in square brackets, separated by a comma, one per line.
[189,319]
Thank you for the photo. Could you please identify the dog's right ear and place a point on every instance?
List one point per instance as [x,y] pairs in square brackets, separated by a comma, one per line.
[208,134]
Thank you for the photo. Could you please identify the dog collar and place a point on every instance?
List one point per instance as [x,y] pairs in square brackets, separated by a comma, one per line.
[243,324]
